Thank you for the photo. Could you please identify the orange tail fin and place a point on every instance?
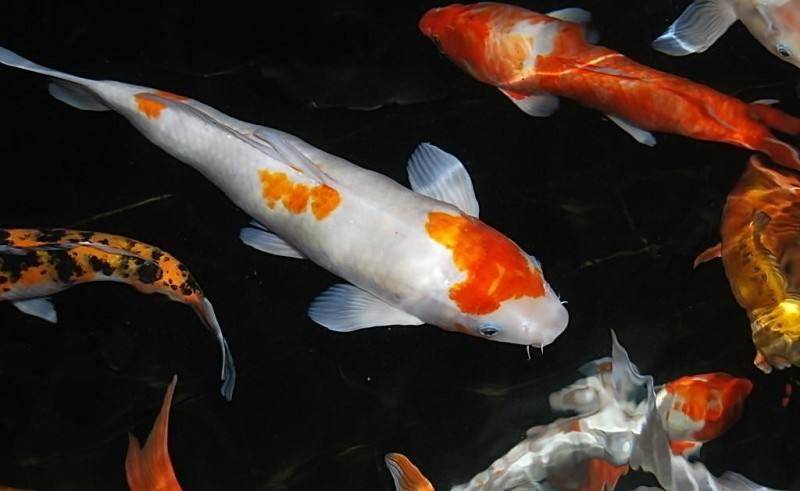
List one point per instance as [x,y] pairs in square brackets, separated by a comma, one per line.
[776,119]
[781,152]
[150,469]
[405,474]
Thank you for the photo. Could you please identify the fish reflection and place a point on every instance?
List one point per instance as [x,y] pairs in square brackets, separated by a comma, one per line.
[623,423]
[760,251]
[37,263]
[534,59]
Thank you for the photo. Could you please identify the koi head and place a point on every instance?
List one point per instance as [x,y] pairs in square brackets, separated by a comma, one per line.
[492,42]
[783,36]
[776,335]
[702,407]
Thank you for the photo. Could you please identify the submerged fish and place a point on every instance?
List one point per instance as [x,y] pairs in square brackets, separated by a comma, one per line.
[775,23]
[533,59]
[622,423]
[760,251]
[35,264]
[414,257]
[149,468]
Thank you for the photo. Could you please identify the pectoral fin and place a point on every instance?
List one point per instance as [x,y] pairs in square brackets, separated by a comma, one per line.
[638,134]
[712,252]
[435,173]
[578,16]
[537,105]
[38,307]
[345,308]
[697,28]
[257,237]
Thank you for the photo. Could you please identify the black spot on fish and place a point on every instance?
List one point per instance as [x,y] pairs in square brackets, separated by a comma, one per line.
[156,255]
[186,290]
[4,235]
[13,265]
[183,268]
[66,267]
[51,234]
[101,266]
[85,236]
[192,284]
[149,273]
[103,241]
[138,261]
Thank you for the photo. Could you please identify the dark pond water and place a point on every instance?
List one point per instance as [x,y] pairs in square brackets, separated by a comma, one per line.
[615,224]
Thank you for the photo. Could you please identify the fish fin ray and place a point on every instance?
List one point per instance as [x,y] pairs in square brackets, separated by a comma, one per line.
[578,16]
[228,375]
[345,308]
[536,105]
[642,136]
[42,308]
[439,175]
[265,241]
[698,27]
[406,476]
[709,254]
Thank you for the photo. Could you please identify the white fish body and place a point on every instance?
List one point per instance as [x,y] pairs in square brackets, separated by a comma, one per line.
[358,224]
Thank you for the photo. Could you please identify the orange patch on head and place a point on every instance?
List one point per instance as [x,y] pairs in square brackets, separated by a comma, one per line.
[277,187]
[149,107]
[495,267]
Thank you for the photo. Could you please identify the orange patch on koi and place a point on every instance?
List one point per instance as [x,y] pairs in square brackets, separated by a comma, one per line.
[679,447]
[602,475]
[277,187]
[171,96]
[495,267]
[149,107]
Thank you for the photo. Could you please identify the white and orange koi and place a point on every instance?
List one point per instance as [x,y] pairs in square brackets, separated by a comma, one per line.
[413,257]
[38,263]
[535,58]
[775,23]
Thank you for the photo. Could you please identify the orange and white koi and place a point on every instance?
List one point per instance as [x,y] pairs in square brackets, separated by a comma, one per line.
[775,23]
[150,468]
[414,257]
[760,253]
[622,424]
[534,59]
[35,264]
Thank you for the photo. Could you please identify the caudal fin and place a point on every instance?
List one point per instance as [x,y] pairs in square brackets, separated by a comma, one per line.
[206,312]
[781,152]
[150,468]
[75,91]
[406,476]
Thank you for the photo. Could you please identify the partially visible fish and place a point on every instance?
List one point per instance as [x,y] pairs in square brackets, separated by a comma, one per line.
[775,23]
[622,424]
[150,469]
[535,58]
[760,251]
[35,264]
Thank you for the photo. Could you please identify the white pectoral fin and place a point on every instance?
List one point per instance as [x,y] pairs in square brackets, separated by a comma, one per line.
[257,237]
[439,175]
[289,153]
[700,25]
[345,308]
[38,307]
[536,105]
[638,134]
[75,95]
[578,16]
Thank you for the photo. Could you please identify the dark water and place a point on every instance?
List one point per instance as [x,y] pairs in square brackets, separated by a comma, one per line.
[615,224]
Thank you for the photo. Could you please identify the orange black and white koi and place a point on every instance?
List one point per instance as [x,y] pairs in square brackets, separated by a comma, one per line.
[35,264]
[534,59]
[150,468]
[413,257]
[761,255]
[622,423]
[775,23]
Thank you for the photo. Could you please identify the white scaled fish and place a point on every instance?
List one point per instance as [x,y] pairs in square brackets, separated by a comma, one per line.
[410,257]
[775,23]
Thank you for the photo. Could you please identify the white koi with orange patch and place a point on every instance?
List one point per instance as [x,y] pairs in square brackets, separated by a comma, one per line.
[414,257]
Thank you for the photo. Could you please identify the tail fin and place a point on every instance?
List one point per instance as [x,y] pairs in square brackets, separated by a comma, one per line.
[151,468]
[781,152]
[775,118]
[407,477]
[69,89]
[206,312]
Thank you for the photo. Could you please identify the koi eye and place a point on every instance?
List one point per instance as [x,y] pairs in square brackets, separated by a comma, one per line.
[488,330]
[783,50]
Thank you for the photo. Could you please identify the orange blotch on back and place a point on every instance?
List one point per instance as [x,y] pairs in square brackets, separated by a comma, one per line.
[495,267]
[171,96]
[277,187]
[149,107]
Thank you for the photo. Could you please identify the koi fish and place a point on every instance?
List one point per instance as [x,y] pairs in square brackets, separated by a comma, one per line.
[150,469]
[534,59]
[622,424]
[775,23]
[412,257]
[35,264]
[761,256]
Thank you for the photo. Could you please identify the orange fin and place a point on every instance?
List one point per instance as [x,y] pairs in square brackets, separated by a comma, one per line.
[712,252]
[407,477]
[776,119]
[150,469]
[684,447]
[781,152]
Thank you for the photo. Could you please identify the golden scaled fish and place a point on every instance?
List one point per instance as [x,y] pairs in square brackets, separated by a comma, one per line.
[760,252]
[35,264]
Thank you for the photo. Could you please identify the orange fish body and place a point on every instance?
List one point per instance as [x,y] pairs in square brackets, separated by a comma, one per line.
[699,408]
[150,469]
[760,251]
[37,263]
[535,58]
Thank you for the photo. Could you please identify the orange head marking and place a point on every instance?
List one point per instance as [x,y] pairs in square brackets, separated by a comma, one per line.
[713,398]
[148,106]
